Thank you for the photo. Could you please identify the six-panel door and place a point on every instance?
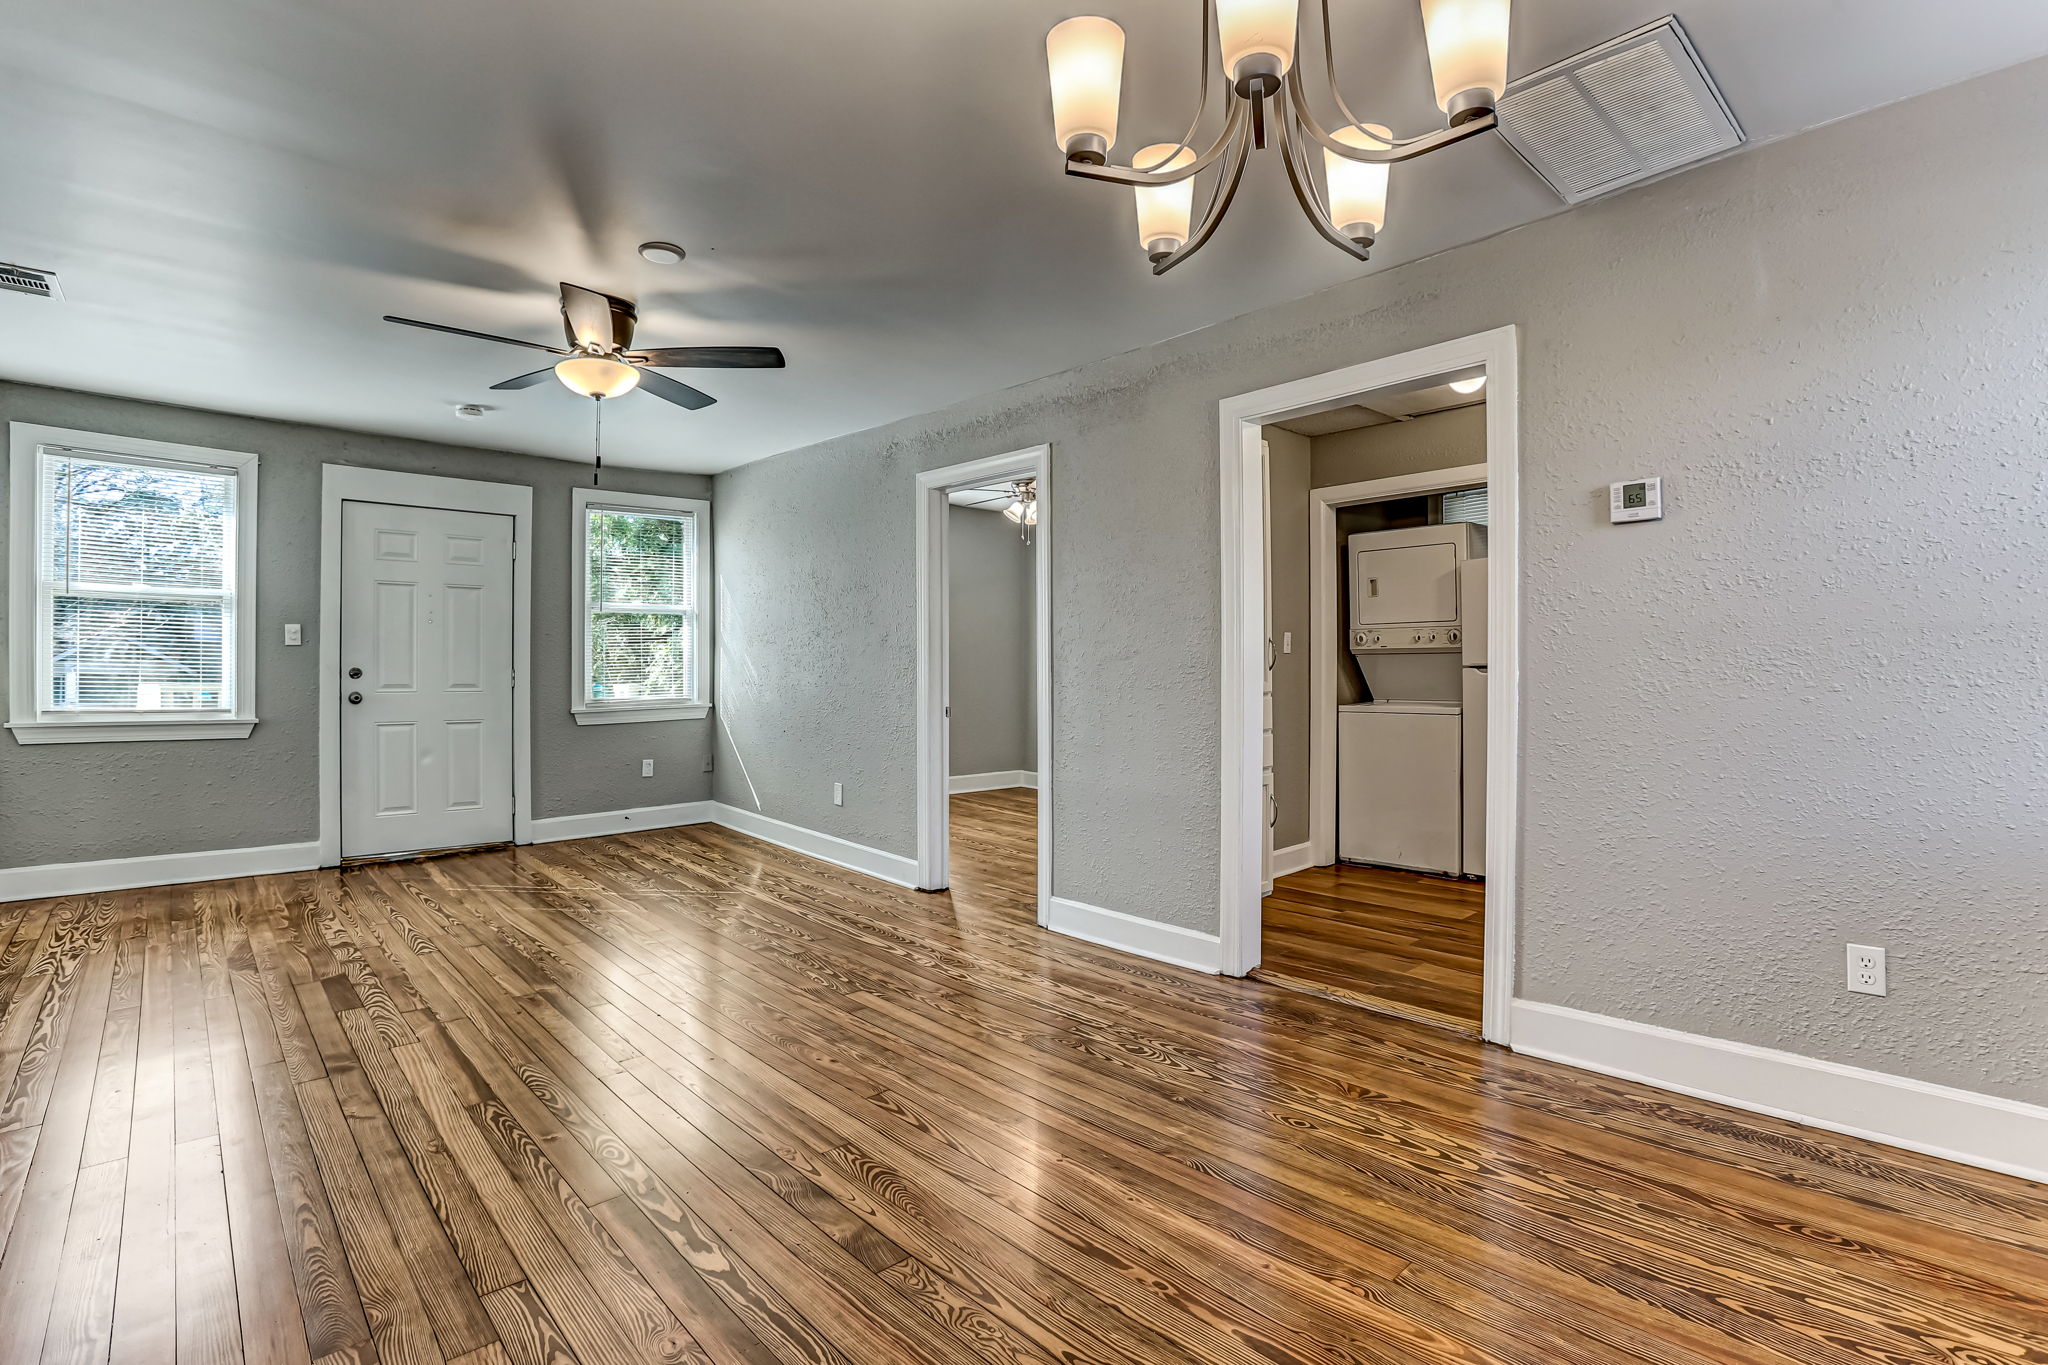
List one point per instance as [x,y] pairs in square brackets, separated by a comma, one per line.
[426,679]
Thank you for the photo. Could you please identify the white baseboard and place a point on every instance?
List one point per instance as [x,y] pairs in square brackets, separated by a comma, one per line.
[990,782]
[164,869]
[1959,1125]
[890,867]
[1298,858]
[1145,937]
[559,827]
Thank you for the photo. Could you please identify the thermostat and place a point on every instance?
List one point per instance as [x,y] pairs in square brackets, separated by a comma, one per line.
[1636,500]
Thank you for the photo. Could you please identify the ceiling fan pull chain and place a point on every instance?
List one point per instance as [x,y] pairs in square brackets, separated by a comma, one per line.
[597,442]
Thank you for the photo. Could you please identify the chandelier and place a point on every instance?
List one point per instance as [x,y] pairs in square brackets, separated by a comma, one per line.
[1265,103]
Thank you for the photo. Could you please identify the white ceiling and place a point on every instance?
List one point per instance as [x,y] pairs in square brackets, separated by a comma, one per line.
[234,191]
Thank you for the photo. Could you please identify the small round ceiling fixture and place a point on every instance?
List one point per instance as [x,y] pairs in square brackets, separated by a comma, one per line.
[661,253]
[470,412]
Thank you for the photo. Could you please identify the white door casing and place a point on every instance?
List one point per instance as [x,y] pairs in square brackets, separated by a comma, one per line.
[427,729]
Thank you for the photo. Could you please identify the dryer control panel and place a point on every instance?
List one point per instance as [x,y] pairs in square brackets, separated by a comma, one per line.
[1409,638]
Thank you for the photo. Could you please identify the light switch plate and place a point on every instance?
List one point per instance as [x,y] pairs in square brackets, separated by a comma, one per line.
[1636,500]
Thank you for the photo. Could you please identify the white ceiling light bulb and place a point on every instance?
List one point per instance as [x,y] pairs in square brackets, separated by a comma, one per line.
[1084,60]
[1468,385]
[1358,189]
[595,376]
[1468,54]
[1164,211]
[1257,42]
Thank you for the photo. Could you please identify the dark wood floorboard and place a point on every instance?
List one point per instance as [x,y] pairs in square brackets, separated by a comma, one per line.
[1403,942]
[681,1096]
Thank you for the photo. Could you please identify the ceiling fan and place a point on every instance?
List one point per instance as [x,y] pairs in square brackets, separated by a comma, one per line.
[596,363]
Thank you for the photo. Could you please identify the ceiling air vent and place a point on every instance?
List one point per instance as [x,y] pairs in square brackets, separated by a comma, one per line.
[1618,114]
[23,280]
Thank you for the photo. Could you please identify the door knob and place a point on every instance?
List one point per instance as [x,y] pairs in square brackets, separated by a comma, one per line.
[355,699]
[355,672]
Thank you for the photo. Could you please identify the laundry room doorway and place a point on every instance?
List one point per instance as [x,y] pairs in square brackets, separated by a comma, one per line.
[1374,585]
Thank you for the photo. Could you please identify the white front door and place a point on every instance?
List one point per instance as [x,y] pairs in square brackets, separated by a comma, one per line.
[426,679]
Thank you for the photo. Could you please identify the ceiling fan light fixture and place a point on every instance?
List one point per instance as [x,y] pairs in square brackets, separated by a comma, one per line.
[596,376]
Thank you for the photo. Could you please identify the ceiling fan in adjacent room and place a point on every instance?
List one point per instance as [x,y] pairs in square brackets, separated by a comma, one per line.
[597,364]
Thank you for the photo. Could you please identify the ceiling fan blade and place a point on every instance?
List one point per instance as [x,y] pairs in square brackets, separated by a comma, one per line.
[712,357]
[682,395]
[480,336]
[527,381]
[595,321]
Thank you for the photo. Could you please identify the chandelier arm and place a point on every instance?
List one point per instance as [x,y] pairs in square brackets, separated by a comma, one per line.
[1201,100]
[1306,195]
[1126,175]
[1219,203]
[1403,149]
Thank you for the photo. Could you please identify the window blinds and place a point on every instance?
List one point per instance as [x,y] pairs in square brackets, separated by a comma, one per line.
[1467,504]
[135,580]
[642,605]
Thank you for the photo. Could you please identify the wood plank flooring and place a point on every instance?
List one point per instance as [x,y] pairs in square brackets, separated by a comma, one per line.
[1402,942]
[679,1096]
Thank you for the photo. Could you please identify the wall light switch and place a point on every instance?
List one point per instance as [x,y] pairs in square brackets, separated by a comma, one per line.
[646,767]
[294,634]
[838,795]
[1286,642]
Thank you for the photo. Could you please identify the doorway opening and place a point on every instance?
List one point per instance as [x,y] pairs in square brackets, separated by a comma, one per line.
[1369,600]
[424,713]
[984,690]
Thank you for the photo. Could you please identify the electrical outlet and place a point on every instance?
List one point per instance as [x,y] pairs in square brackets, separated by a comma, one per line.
[294,634]
[646,767]
[838,795]
[1866,969]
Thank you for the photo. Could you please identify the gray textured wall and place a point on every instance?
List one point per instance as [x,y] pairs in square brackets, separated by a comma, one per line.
[79,802]
[1442,440]
[1804,709]
[1290,543]
[995,715]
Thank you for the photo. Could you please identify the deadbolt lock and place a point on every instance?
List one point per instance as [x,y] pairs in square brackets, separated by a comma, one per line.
[355,672]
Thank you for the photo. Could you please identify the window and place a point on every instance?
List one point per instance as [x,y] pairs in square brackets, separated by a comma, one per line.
[131,612]
[1467,504]
[643,634]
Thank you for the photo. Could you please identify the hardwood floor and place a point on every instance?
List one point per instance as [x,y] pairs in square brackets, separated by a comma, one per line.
[1403,942]
[995,849]
[681,1096]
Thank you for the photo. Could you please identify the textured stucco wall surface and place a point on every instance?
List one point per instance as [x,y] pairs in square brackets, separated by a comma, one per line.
[1807,708]
[81,802]
[994,713]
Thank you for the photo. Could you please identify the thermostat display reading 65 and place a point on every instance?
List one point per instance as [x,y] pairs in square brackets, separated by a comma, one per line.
[1636,500]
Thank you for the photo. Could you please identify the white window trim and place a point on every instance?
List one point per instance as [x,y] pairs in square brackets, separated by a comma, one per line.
[31,725]
[585,711]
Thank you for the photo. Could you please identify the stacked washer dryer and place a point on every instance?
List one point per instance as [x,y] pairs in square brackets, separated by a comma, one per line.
[1404,798]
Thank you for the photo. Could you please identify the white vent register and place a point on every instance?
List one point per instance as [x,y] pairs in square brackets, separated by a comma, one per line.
[1618,114]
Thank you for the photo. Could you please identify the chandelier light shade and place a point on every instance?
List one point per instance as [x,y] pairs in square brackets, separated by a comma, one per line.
[1258,47]
[1085,60]
[1468,54]
[1257,41]
[593,376]
[1358,189]
[1165,212]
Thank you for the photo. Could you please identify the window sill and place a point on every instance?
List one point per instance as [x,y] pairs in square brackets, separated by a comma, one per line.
[128,731]
[620,715]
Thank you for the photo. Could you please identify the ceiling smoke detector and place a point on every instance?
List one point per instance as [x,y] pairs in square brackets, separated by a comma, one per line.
[1618,114]
[661,253]
[470,412]
[24,279]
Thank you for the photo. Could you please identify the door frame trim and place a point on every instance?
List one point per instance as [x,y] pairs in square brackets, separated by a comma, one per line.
[352,483]
[934,593]
[1241,472]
